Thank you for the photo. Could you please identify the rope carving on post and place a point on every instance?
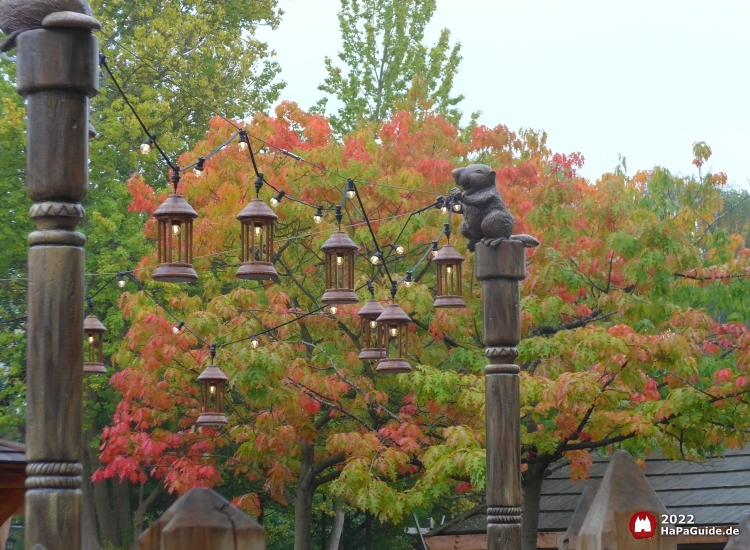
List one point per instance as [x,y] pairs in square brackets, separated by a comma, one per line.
[500,265]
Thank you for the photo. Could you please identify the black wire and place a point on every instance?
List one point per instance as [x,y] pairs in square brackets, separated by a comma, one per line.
[372,233]
[140,121]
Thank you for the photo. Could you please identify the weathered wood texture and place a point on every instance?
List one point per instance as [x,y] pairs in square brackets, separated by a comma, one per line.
[623,492]
[500,269]
[570,540]
[57,73]
[741,541]
[201,520]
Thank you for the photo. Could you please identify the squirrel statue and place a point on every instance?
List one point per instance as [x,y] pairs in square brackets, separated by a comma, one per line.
[486,218]
[17,16]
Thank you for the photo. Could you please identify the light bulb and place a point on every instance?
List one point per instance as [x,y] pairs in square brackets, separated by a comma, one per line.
[351,193]
[145,148]
[91,339]
[317,219]
[333,310]
[178,327]
[254,342]
[175,230]
[175,330]
[457,207]
[407,284]
[198,173]
[434,253]
[393,331]
[274,201]
[374,259]
[339,260]
[212,389]
[121,283]
[399,250]
[444,209]
[243,145]
[373,324]
[258,230]
[449,270]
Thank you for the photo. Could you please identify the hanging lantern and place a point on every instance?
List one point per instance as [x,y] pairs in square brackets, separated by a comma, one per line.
[448,276]
[257,242]
[339,250]
[369,315]
[393,339]
[175,217]
[212,399]
[94,330]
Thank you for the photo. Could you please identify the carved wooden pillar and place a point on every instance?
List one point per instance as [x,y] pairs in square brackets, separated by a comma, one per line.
[57,73]
[501,269]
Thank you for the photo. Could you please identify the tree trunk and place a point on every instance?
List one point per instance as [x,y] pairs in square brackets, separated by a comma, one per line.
[531,483]
[140,512]
[338,524]
[89,533]
[123,511]
[304,501]
[368,529]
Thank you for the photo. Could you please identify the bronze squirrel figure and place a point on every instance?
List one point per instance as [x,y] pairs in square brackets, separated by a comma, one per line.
[486,218]
[17,16]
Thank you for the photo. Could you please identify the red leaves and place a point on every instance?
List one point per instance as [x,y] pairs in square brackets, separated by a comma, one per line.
[463,487]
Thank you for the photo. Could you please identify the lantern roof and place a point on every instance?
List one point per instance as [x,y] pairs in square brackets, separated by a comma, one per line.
[92,325]
[175,206]
[339,241]
[213,374]
[395,315]
[447,255]
[257,209]
[371,310]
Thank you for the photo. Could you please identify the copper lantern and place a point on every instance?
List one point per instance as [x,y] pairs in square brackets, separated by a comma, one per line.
[448,277]
[212,382]
[339,250]
[257,242]
[175,217]
[393,339]
[369,315]
[94,330]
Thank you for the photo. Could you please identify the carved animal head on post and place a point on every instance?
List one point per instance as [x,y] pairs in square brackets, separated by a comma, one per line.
[17,16]
[486,218]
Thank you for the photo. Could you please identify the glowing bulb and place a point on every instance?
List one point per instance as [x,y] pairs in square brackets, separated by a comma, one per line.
[399,250]
[258,230]
[175,330]
[339,260]
[333,310]
[373,324]
[434,253]
[121,283]
[456,207]
[407,284]
[317,219]
[175,230]
[274,201]
[243,145]
[198,173]
[374,259]
[449,270]
[254,342]
[351,193]
[212,389]
[393,331]
[91,339]
[444,209]
[145,148]
[178,327]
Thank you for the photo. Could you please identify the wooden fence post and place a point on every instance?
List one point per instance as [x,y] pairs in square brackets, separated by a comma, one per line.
[202,519]
[501,269]
[57,73]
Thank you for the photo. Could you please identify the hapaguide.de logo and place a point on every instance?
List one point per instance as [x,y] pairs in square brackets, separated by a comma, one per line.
[642,525]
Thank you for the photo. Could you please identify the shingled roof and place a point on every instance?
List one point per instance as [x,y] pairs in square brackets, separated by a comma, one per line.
[716,492]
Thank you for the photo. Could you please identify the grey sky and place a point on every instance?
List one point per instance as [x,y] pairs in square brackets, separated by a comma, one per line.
[640,78]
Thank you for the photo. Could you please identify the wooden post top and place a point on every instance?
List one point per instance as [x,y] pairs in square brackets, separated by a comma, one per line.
[507,261]
[203,519]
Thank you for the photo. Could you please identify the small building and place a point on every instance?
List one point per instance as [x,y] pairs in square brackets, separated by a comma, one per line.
[715,493]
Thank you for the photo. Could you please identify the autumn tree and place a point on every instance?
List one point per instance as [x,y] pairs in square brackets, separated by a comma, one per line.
[384,57]
[149,46]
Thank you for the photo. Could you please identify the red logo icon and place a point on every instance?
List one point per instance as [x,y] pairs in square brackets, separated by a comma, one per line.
[642,525]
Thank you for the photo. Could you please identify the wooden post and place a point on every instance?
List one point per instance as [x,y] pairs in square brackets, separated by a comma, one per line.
[202,519]
[57,73]
[500,269]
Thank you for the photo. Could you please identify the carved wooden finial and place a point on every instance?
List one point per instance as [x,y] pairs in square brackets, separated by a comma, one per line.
[17,16]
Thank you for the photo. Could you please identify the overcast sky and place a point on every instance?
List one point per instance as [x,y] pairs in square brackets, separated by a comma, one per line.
[639,78]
